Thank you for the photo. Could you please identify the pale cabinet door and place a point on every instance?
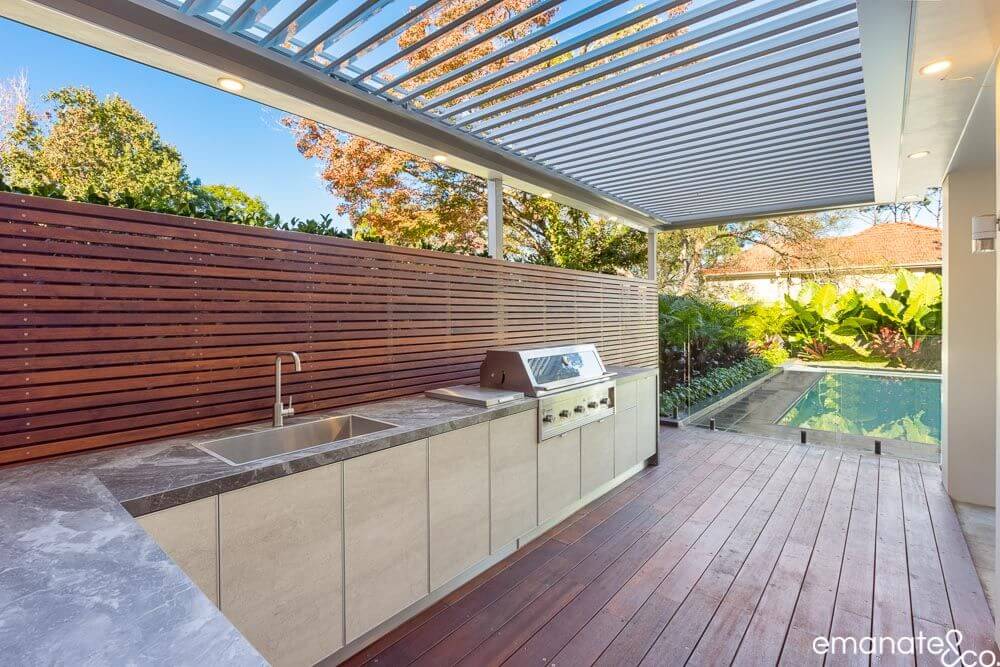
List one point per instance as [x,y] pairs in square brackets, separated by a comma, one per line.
[513,477]
[597,454]
[386,534]
[626,453]
[281,565]
[625,393]
[189,534]
[558,474]
[648,417]
[459,469]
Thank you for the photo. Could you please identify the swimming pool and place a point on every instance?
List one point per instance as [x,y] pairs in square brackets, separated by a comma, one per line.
[888,406]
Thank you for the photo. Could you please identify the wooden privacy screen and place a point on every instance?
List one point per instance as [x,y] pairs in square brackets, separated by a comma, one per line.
[121,326]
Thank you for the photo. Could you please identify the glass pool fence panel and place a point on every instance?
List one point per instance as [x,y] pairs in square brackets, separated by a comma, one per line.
[694,378]
[675,380]
[885,404]
[888,404]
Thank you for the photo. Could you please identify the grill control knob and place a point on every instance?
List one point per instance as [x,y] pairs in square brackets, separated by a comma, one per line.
[564,413]
[592,405]
[548,418]
[604,401]
[579,408]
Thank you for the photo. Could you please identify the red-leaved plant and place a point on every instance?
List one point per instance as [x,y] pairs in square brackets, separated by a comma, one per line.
[814,350]
[888,342]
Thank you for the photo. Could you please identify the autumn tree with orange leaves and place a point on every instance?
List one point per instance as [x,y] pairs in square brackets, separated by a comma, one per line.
[407,200]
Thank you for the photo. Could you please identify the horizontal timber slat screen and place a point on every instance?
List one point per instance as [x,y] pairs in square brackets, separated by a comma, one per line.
[121,326]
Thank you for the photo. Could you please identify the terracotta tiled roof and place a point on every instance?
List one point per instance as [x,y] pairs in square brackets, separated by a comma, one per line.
[887,245]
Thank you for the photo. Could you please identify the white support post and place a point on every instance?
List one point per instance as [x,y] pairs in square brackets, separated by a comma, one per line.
[968,350]
[494,217]
[651,254]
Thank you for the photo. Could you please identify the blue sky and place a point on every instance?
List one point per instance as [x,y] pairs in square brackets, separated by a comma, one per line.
[223,138]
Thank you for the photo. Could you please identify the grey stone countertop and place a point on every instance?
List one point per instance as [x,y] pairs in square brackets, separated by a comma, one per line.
[82,583]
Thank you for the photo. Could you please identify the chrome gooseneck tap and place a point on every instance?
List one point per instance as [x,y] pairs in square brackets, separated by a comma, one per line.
[280,411]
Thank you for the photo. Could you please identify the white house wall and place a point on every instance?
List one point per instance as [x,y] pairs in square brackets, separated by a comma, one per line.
[774,289]
[968,387]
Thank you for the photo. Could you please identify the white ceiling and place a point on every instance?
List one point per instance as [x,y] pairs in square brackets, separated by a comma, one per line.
[938,108]
[977,146]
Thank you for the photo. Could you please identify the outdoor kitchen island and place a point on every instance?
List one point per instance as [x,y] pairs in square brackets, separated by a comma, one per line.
[309,555]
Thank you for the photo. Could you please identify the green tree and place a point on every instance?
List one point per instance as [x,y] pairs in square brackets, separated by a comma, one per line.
[242,206]
[928,206]
[548,233]
[683,255]
[88,146]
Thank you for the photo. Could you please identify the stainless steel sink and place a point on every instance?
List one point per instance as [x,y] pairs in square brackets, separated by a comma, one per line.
[250,447]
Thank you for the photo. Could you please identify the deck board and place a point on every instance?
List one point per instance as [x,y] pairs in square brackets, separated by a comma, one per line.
[725,627]
[891,613]
[768,625]
[734,550]
[852,611]
[965,592]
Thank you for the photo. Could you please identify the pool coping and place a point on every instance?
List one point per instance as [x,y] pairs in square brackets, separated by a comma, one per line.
[899,373]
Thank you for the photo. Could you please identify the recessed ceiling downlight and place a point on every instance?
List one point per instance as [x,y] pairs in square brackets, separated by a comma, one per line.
[230,84]
[912,197]
[547,195]
[936,67]
[440,159]
[919,155]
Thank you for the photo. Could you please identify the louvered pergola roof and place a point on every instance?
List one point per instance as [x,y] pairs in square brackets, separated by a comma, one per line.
[667,112]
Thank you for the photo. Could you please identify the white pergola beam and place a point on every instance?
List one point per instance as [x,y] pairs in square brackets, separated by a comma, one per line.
[580,42]
[494,217]
[885,48]
[805,124]
[793,204]
[662,129]
[629,80]
[651,255]
[797,75]
[619,113]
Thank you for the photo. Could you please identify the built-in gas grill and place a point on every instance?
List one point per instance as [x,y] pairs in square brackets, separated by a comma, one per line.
[570,381]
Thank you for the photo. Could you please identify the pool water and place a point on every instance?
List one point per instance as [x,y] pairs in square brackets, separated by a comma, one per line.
[891,407]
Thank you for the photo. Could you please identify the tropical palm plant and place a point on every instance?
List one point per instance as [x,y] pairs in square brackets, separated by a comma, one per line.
[914,309]
[698,335]
[821,317]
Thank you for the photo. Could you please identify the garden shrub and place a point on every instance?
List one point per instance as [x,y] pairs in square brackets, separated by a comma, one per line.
[698,335]
[775,356]
[820,322]
[712,383]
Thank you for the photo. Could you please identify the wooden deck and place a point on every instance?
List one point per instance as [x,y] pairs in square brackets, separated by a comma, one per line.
[735,550]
